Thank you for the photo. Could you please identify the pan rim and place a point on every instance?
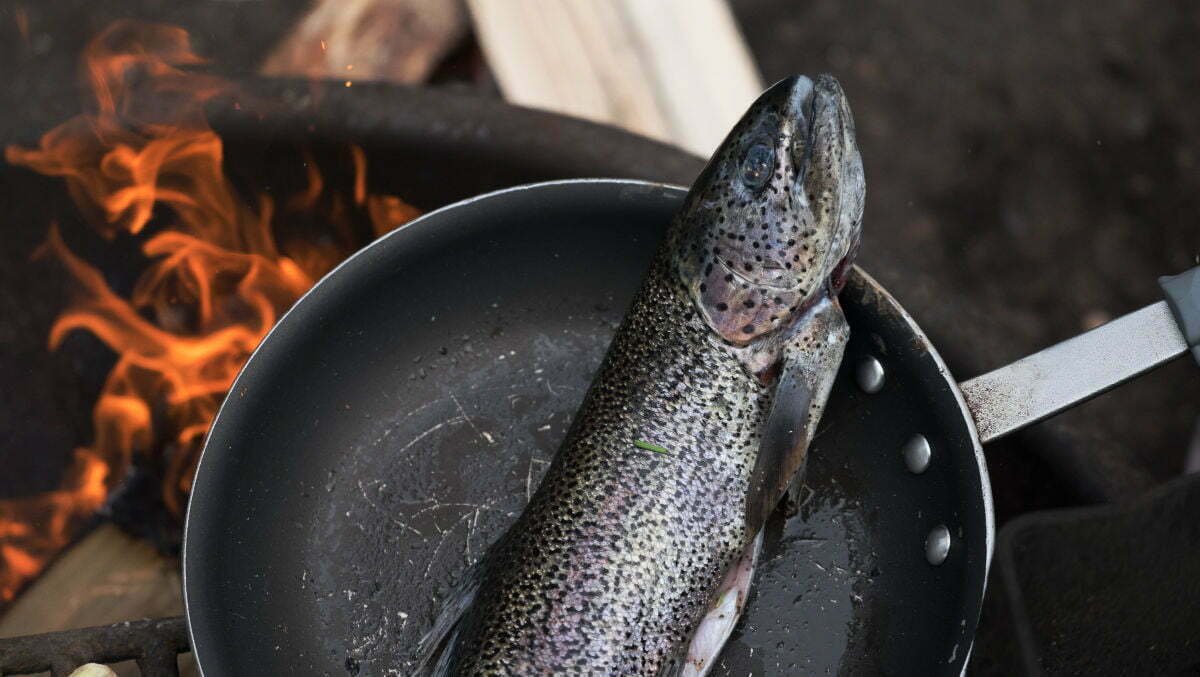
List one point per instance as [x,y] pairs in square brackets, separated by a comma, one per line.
[199,649]
[985,482]
[976,443]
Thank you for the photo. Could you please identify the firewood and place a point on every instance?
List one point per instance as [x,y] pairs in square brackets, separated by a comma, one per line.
[675,70]
[391,40]
[106,577]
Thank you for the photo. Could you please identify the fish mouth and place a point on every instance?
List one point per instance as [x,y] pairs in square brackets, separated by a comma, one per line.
[811,100]
[801,102]
[795,97]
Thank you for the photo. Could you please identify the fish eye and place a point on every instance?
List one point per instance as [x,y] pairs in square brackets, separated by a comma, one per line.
[758,165]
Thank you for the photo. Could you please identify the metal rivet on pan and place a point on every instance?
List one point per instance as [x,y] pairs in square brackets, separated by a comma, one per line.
[937,545]
[870,375]
[917,454]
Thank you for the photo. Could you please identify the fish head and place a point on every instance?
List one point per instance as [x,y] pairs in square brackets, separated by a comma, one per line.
[773,223]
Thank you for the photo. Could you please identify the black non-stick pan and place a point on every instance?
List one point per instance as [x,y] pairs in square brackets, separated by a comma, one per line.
[397,418]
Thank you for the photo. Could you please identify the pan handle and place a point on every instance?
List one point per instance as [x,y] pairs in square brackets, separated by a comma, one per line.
[1041,385]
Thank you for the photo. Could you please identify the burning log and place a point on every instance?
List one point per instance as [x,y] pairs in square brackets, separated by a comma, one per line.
[144,166]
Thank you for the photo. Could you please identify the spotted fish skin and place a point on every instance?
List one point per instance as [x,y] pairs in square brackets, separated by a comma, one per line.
[661,482]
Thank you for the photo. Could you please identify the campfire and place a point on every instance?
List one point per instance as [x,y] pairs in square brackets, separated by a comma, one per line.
[220,265]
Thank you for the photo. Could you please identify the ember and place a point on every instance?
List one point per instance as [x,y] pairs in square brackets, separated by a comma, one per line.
[220,271]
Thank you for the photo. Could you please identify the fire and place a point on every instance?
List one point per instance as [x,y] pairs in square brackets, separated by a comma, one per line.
[145,164]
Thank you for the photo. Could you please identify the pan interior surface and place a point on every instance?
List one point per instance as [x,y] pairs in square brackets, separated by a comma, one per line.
[396,420]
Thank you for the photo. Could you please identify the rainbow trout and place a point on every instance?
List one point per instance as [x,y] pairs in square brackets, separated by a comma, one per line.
[635,554]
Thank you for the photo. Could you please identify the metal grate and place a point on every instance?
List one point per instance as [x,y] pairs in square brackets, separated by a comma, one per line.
[154,644]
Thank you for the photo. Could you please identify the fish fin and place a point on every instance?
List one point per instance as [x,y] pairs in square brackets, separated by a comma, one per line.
[435,648]
[808,368]
[717,625]
[444,653]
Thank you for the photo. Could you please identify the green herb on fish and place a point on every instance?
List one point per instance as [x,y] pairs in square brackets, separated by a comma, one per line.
[651,447]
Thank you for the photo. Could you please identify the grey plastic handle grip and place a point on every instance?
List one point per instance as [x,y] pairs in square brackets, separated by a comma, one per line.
[1183,298]
[1055,378]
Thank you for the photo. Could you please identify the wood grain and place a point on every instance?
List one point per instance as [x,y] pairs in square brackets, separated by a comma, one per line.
[674,70]
[391,40]
[106,577]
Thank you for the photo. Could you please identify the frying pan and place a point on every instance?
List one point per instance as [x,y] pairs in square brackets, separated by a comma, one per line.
[395,421]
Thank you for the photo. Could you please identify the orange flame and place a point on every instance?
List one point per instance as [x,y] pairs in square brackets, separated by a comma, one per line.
[146,164]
